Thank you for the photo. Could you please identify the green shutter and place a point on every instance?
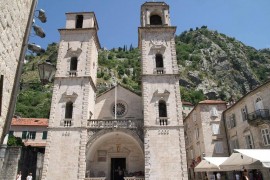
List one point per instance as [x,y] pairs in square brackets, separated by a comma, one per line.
[24,134]
[33,135]
[44,135]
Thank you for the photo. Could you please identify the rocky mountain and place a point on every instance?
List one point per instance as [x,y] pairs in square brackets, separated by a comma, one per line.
[212,66]
[220,66]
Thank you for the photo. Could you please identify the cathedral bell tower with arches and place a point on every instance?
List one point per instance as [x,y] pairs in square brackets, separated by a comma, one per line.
[164,145]
[73,98]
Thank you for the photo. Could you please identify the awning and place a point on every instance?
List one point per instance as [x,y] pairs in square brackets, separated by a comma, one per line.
[210,164]
[262,155]
[248,159]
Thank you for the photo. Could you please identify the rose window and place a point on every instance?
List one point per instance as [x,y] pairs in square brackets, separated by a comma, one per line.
[120,109]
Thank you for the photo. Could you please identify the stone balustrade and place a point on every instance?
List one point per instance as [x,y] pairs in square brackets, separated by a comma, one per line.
[95,178]
[134,178]
[115,123]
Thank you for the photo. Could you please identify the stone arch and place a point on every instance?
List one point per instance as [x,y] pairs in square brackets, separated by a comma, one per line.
[113,143]
[155,19]
[95,137]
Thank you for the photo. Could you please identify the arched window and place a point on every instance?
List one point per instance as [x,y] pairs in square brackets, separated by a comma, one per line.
[73,63]
[159,61]
[79,21]
[155,20]
[69,110]
[162,108]
[259,104]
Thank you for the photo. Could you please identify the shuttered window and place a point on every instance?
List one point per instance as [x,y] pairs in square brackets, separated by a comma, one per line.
[32,135]
[24,134]
[44,135]
[266,136]
[249,142]
[219,147]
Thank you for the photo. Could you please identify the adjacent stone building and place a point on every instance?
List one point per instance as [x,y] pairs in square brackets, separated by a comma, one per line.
[119,132]
[205,134]
[187,108]
[33,131]
[248,121]
[14,17]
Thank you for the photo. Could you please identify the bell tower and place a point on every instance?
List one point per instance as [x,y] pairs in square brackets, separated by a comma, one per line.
[73,98]
[165,155]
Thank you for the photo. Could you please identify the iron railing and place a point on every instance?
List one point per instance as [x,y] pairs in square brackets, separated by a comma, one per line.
[259,114]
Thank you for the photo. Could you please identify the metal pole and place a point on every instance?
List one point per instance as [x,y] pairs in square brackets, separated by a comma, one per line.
[16,85]
[115,101]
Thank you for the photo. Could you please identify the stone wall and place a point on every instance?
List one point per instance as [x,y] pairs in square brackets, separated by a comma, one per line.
[13,20]
[11,159]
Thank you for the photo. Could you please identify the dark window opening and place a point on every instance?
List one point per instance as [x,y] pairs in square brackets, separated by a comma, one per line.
[69,110]
[162,108]
[73,63]
[155,20]
[24,134]
[11,133]
[79,21]
[1,92]
[159,61]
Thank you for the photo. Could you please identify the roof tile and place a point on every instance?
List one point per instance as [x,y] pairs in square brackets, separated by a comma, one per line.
[29,122]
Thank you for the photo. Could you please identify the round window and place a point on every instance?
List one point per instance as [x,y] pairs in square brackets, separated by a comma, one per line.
[121,109]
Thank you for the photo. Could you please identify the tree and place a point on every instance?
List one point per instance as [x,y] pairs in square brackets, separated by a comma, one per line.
[14,141]
[131,47]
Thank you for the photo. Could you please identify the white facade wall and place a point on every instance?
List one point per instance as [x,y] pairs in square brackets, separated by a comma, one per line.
[105,103]
[13,20]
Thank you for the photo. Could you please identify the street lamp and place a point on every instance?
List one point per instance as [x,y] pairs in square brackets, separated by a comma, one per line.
[35,48]
[39,31]
[42,16]
[46,72]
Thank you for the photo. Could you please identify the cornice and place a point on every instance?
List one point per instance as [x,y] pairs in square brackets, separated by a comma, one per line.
[96,39]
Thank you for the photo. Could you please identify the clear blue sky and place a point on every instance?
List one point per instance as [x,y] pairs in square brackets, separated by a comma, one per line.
[246,20]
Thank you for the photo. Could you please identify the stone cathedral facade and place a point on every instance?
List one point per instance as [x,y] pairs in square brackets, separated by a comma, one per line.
[117,132]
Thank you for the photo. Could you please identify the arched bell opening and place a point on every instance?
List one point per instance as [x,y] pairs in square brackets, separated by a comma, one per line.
[107,152]
[155,20]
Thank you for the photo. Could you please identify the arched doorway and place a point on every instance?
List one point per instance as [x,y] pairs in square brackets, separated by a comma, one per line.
[112,152]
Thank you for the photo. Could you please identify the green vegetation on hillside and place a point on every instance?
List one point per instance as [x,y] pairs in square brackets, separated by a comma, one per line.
[211,65]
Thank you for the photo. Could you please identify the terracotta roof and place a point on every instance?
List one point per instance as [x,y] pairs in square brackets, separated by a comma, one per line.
[29,122]
[212,102]
[187,103]
[34,144]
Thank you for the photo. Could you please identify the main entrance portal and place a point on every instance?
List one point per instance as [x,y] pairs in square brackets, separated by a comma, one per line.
[118,166]
[110,153]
